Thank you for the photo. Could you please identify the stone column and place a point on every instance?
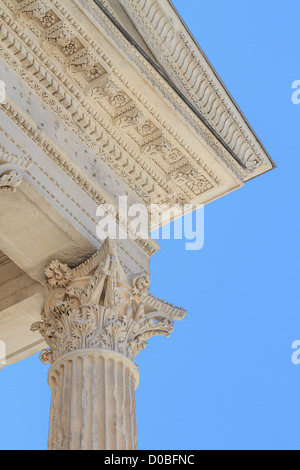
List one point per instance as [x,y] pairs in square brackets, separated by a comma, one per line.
[97,318]
[93,402]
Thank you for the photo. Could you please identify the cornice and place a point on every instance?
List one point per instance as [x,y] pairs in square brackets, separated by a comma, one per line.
[89,118]
[177,139]
[46,81]
[180,55]
[169,92]
[85,115]
[61,61]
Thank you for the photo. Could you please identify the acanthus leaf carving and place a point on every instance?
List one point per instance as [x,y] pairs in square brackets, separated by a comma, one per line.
[131,118]
[100,306]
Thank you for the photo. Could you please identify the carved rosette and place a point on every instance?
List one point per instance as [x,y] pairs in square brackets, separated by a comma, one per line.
[98,306]
[58,274]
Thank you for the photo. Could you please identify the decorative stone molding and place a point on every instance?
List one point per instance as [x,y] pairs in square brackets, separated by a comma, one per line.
[107,88]
[58,274]
[9,178]
[192,73]
[141,285]
[153,179]
[96,194]
[98,306]
[111,121]
[177,53]
[86,63]
[166,156]
[53,36]
[13,161]
[36,10]
[188,179]
[131,118]
[82,99]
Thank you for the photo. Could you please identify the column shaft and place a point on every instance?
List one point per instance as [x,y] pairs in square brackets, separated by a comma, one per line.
[93,402]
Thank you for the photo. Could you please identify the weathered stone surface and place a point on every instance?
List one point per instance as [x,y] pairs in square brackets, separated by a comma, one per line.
[96,320]
[103,100]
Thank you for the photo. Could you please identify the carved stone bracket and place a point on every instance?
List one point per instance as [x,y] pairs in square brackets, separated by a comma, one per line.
[105,87]
[62,36]
[98,306]
[130,119]
[86,62]
[189,178]
[165,155]
[34,9]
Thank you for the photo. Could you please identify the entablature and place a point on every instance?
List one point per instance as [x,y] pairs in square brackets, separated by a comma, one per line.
[114,100]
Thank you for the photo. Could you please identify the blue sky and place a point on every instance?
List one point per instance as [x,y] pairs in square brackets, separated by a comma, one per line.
[224,379]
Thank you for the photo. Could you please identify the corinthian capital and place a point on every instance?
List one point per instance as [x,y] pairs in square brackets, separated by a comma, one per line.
[99,306]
